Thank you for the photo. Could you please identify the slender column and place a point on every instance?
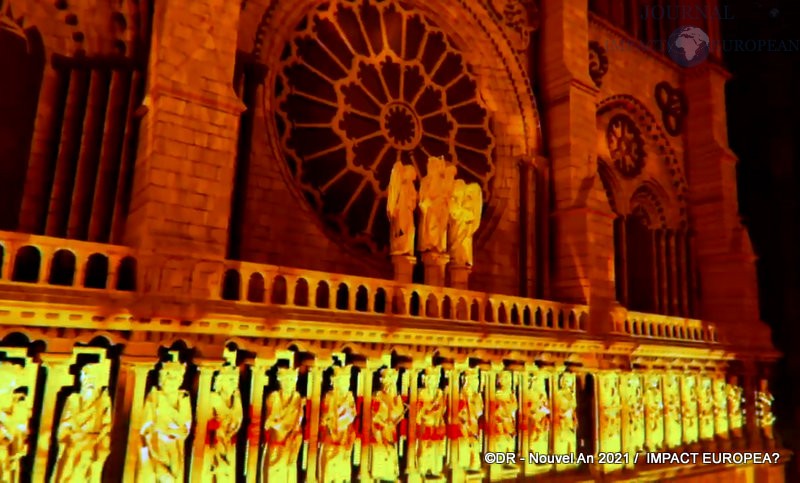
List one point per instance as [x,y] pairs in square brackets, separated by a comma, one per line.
[366,375]
[750,387]
[57,376]
[259,379]
[315,399]
[202,416]
[411,466]
[7,262]
[691,277]
[683,273]
[622,281]
[672,267]
[134,395]
[663,294]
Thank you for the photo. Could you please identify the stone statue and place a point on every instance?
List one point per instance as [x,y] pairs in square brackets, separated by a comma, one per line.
[470,411]
[284,428]
[705,402]
[504,414]
[84,431]
[720,408]
[465,216]
[633,425]
[14,422]
[400,205]
[735,417]
[338,433]
[566,420]
[610,412]
[689,408]
[764,415]
[167,417]
[431,428]
[435,193]
[673,424]
[539,415]
[654,413]
[226,420]
[388,410]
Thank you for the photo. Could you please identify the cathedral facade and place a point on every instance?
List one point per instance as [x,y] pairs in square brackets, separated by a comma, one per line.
[373,240]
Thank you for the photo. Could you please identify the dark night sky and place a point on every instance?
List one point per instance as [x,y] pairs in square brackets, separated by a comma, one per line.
[764,130]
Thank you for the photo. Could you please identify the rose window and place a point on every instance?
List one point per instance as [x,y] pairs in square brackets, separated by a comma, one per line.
[363,85]
[626,145]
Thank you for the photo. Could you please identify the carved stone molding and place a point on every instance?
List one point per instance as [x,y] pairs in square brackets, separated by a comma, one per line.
[674,107]
[598,62]
[519,18]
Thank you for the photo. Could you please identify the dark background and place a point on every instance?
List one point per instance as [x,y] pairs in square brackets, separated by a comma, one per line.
[764,131]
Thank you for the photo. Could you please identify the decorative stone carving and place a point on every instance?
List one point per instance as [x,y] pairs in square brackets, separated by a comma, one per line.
[400,206]
[470,411]
[566,417]
[539,414]
[84,431]
[674,107]
[167,417]
[388,410]
[654,413]
[284,428]
[598,62]
[431,426]
[610,405]
[673,424]
[465,216]
[14,420]
[689,408]
[435,198]
[504,414]
[735,416]
[226,420]
[705,403]
[350,106]
[625,145]
[518,17]
[764,415]
[9,23]
[633,422]
[337,428]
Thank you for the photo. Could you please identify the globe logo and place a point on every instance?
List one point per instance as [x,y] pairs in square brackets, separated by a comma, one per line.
[688,46]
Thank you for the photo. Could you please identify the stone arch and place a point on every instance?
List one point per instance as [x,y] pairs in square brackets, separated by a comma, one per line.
[62,268]
[96,275]
[652,199]
[231,285]
[256,288]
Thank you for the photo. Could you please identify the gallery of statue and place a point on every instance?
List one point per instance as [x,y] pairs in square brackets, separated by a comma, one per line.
[284,241]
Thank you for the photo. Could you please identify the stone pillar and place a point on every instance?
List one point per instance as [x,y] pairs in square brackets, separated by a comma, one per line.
[315,400]
[203,414]
[434,268]
[259,379]
[724,255]
[130,402]
[459,276]
[366,373]
[583,221]
[57,376]
[403,268]
[752,430]
[180,200]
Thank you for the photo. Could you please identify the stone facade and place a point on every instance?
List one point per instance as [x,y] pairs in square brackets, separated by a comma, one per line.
[172,218]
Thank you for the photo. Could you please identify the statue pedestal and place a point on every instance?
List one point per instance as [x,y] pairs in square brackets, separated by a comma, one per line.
[434,268]
[403,267]
[459,276]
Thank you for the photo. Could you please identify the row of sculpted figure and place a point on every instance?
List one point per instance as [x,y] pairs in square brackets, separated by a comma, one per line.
[652,411]
[447,428]
[450,211]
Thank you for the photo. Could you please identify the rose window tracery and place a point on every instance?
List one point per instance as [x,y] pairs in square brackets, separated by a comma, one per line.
[361,85]
[626,145]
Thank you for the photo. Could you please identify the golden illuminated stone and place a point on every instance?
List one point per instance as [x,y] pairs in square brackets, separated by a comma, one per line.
[435,193]
[14,421]
[654,412]
[400,206]
[431,427]
[566,417]
[504,414]
[469,412]
[284,428]
[388,410]
[337,431]
[227,416]
[466,206]
[539,414]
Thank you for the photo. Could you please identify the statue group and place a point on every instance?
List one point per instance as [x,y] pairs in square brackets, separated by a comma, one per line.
[449,212]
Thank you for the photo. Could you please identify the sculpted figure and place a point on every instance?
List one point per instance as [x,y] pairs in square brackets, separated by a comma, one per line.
[720,408]
[634,414]
[337,428]
[610,413]
[672,402]
[504,414]
[435,193]
[735,418]
[764,413]
[539,415]
[431,428]
[84,432]
[400,206]
[465,217]
[226,420]
[167,417]
[470,411]
[14,422]
[388,410]
[566,423]
[284,429]
[705,401]
[689,408]
[654,413]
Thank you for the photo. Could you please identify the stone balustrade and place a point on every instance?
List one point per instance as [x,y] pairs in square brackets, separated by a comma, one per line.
[655,326]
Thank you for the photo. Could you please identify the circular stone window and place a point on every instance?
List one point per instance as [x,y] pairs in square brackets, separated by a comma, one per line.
[362,85]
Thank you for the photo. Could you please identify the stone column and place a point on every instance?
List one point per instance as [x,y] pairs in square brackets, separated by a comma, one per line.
[206,368]
[181,193]
[417,366]
[315,400]
[366,374]
[752,430]
[434,268]
[56,377]
[459,276]
[403,268]
[259,379]
[130,402]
